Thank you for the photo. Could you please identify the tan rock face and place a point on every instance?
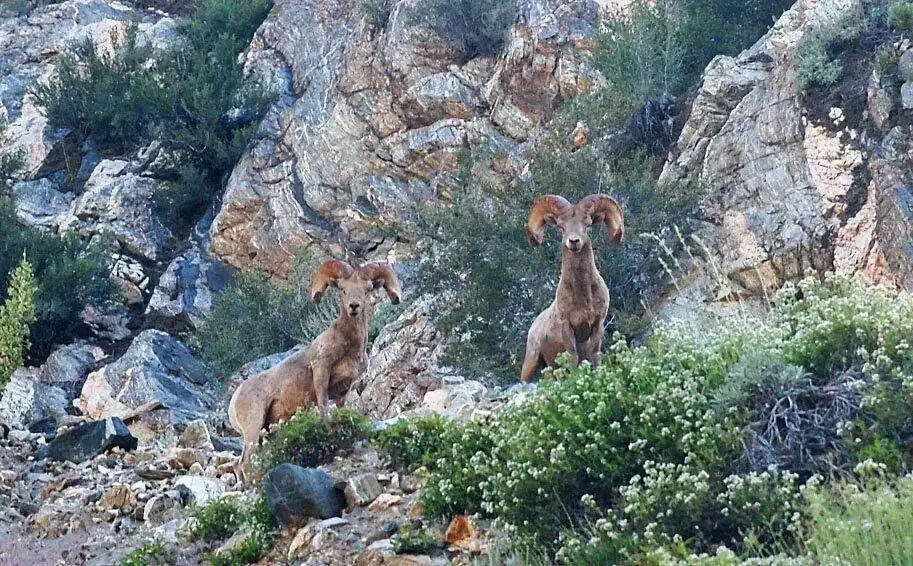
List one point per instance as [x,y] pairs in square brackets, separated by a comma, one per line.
[788,189]
[372,123]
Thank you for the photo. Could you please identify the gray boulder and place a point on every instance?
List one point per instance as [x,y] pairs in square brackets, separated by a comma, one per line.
[42,203]
[88,440]
[295,494]
[26,400]
[157,370]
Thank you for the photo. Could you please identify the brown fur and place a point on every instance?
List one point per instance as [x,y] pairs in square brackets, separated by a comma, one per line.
[325,370]
[574,322]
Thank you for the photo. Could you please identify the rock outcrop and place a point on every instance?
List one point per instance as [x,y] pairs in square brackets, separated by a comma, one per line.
[372,122]
[793,185]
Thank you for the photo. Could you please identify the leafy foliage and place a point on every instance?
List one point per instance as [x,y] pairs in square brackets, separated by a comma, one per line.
[475,27]
[309,439]
[643,454]
[256,317]
[16,317]
[901,17]
[651,48]
[413,540]
[218,519]
[248,551]
[70,273]
[193,97]
[151,554]
[411,443]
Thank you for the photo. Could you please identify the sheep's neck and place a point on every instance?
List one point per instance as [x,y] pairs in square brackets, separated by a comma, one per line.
[579,276]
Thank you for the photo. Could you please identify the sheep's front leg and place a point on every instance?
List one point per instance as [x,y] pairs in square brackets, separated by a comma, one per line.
[593,345]
[322,387]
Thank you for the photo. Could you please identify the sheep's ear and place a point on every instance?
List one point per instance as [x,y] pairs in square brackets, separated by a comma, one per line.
[329,273]
[544,210]
[603,208]
[382,275]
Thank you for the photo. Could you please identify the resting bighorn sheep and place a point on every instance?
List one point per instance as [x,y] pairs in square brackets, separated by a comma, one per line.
[573,323]
[327,368]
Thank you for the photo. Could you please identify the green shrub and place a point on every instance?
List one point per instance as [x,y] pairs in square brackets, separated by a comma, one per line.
[655,47]
[642,453]
[256,317]
[475,27]
[193,97]
[309,439]
[901,17]
[415,442]
[413,540]
[70,273]
[17,314]
[862,524]
[217,520]
[818,62]
[151,554]
[248,551]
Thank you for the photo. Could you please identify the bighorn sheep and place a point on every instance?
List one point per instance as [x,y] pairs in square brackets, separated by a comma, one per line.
[573,323]
[327,368]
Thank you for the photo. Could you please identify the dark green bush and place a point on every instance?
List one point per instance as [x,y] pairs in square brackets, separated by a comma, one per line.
[256,317]
[217,520]
[411,443]
[309,439]
[195,99]
[412,540]
[248,551]
[70,274]
[657,47]
[475,27]
[151,554]
[901,17]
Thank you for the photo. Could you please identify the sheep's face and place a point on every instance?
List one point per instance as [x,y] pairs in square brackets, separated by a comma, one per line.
[574,224]
[356,295]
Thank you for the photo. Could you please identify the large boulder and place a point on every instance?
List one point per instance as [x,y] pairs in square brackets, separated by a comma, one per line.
[117,201]
[85,441]
[156,371]
[68,366]
[295,494]
[27,400]
[370,124]
[42,203]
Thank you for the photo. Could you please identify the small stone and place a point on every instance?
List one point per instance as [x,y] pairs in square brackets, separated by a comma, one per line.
[211,472]
[362,489]
[481,416]
[906,95]
[417,511]
[228,479]
[384,501]
[157,506]
[196,435]
[117,497]
[196,490]
[182,458]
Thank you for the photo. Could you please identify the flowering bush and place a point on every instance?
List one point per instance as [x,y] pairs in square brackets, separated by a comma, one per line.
[689,442]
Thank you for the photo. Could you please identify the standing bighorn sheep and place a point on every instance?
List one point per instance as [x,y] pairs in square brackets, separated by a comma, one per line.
[325,370]
[573,323]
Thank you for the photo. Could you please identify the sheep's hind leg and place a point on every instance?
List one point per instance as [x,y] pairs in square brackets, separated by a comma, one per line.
[531,364]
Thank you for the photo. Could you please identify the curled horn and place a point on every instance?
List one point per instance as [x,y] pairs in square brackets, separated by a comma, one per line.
[603,208]
[543,211]
[383,275]
[327,274]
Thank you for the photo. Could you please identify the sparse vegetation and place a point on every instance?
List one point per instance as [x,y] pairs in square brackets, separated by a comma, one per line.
[476,27]
[151,554]
[414,540]
[17,314]
[217,520]
[309,440]
[901,17]
[11,161]
[256,317]
[70,273]
[247,551]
